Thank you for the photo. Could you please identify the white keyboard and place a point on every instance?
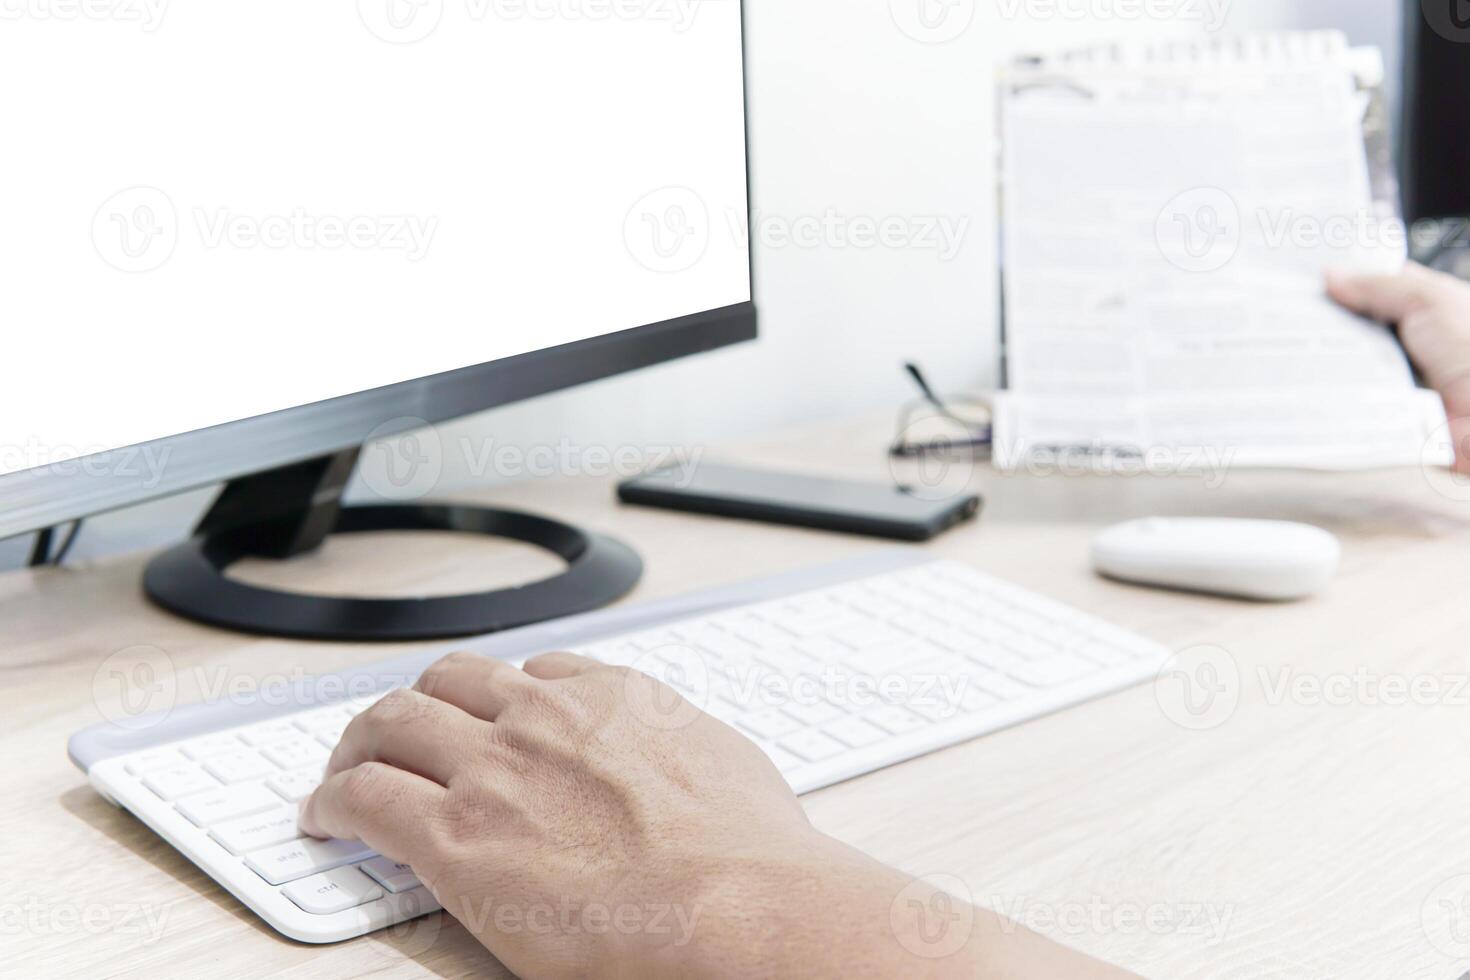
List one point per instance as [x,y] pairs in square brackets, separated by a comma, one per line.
[831,683]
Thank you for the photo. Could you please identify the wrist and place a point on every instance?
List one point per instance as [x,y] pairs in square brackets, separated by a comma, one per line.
[739,910]
[811,905]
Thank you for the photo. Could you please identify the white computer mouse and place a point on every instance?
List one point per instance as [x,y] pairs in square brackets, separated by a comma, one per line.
[1273,560]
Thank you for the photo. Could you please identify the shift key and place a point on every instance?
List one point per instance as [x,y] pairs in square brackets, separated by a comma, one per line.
[287,862]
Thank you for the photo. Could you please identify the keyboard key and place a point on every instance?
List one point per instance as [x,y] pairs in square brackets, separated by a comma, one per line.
[1016,642]
[854,732]
[650,640]
[146,762]
[823,649]
[719,645]
[769,723]
[288,862]
[1131,644]
[261,830]
[356,706]
[737,679]
[293,787]
[322,719]
[975,699]
[391,875]
[210,745]
[329,736]
[864,635]
[1101,653]
[1000,686]
[914,623]
[1031,647]
[268,732]
[297,753]
[722,707]
[226,803]
[811,746]
[886,656]
[933,708]
[817,604]
[815,714]
[333,891]
[239,766]
[894,719]
[957,640]
[785,660]
[1052,671]
[624,654]
[685,671]
[761,634]
[993,657]
[593,651]
[181,779]
[783,760]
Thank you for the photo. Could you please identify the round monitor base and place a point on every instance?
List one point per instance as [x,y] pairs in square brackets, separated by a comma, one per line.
[190,581]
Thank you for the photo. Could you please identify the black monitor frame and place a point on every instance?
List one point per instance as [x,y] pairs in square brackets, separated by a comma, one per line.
[1434,141]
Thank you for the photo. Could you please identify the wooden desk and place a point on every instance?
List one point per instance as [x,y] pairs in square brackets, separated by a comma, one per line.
[1313,834]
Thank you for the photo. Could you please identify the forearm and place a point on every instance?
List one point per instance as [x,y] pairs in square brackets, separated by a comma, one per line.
[826,910]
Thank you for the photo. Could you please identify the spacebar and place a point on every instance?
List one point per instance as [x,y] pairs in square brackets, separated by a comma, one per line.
[287,862]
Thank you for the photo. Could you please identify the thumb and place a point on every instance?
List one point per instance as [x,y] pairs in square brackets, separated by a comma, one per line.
[1389,299]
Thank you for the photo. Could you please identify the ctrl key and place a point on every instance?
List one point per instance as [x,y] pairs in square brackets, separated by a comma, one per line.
[334,891]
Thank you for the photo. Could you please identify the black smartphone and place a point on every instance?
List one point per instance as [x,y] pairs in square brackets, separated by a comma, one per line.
[877,509]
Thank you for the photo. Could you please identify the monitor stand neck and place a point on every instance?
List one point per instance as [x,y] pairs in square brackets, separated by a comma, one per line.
[291,511]
[286,512]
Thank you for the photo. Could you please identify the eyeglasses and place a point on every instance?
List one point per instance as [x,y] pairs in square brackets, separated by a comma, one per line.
[933,425]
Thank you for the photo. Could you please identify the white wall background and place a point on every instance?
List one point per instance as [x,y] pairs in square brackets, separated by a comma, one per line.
[852,116]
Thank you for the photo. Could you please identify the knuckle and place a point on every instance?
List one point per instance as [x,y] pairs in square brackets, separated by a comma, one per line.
[640,682]
[620,675]
[362,787]
[455,661]
[397,707]
[588,694]
[447,664]
[432,676]
[619,684]
[537,693]
[465,819]
[542,660]
[446,669]
[541,700]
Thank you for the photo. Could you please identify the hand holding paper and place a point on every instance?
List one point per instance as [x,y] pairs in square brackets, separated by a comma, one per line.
[1432,313]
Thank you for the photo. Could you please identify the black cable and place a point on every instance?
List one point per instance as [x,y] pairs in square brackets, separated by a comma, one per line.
[41,550]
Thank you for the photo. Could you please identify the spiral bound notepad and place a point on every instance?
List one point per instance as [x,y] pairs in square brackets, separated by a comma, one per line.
[1168,213]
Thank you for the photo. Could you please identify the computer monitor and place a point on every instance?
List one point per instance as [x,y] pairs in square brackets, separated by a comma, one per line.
[1435,144]
[238,240]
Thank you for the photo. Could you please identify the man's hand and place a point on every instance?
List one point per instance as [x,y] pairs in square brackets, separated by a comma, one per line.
[583,820]
[1432,313]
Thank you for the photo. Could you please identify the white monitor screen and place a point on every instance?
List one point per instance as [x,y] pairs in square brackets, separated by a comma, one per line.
[213,211]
